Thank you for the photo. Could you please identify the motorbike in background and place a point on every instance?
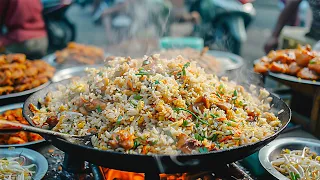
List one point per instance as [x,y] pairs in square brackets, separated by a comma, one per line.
[224,23]
[59,28]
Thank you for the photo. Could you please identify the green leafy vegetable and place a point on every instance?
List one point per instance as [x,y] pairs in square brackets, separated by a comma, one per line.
[203,150]
[142,73]
[228,124]
[292,176]
[137,97]
[197,125]
[205,115]
[199,119]
[156,82]
[214,137]
[218,95]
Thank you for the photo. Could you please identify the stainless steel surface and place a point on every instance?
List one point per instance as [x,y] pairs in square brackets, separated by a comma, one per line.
[227,60]
[72,72]
[11,107]
[272,150]
[32,157]
[30,91]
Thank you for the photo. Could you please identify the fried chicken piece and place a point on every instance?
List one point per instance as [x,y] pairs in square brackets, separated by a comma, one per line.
[19,58]
[314,64]
[306,73]
[6,90]
[16,74]
[303,57]
[278,68]
[284,58]
[293,68]
[3,59]
[23,87]
[32,71]
[13,66]
[261,67]
[5,78]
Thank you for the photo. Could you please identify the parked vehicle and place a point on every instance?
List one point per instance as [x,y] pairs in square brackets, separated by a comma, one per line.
[224,23]
[59,28]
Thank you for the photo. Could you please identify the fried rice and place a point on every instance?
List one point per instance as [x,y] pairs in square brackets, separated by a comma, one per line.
[158,106]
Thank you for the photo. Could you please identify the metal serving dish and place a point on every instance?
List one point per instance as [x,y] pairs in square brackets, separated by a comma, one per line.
[28,144]
[20,96]
[72,72]
[272,150]
[227,60]
[31,156]
[51,59]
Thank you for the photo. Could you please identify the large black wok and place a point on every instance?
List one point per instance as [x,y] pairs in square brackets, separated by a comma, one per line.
[157,163]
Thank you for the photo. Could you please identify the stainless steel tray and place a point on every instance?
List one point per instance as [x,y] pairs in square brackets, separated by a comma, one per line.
[272,150]
[31,156]
[72,72]
[11,107]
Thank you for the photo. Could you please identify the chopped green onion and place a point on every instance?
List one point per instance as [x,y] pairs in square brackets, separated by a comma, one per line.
[185,123]
[198,137]
[214,116]
[137,97]
[135,144]
[228,123]
[235,93]
[99,109]
[218,95]
[214,137]
[240,103]
[119,120]
[205,115]
[182,109]
[203,150]
[297,176]
[100,73]
[184,68]
[233,120]
[156,82]
[312,62]
[154,142]
[197,125]
[47,109]
[133,103]
[220,86]
[292,176]
[142,73]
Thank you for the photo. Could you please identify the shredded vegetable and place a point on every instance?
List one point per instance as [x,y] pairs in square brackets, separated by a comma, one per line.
[298,164]
[13,168]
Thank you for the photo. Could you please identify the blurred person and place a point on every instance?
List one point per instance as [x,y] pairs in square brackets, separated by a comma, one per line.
[25,30]
[290,9]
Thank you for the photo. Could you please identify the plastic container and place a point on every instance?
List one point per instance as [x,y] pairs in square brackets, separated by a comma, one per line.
[181,42]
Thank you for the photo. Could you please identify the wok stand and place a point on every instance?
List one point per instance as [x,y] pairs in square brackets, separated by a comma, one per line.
[311,91]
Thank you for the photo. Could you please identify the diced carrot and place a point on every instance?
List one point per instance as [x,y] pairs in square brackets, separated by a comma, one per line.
[225,139]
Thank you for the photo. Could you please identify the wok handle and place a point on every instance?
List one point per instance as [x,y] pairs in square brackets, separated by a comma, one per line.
[11,126]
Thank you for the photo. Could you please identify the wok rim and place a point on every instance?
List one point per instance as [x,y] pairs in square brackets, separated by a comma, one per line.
[273,136]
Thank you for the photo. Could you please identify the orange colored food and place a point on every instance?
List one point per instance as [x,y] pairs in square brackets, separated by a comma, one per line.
[19,74]
[301,62]
[76,53]
[19,137]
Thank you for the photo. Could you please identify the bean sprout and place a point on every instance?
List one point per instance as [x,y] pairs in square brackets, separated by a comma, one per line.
[13,168]
[298,164]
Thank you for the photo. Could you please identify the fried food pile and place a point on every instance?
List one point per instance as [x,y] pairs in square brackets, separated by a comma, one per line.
[301,62]
[76,53]
[19,74]
[206,61]
[20,137]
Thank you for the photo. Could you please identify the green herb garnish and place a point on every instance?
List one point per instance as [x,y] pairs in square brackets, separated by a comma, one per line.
[184,68]
[205,115]
[156,82]
[133,103]
[312,62]
[185,123]
[119,120]
[235,93]
[233,120]
[199,119]
[292,176]
[100,73]
[197,125]
[137,97]
[142,73]
[214,116]
[99,109]
[135,144]
[218,95]
[203,150]
[198,137]
[228,124]
[214,137]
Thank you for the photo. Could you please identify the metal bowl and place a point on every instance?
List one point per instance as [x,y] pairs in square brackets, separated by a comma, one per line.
[227,60]
[32,157]
[272,150]
[72,72]
[20,96]
[28,144]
